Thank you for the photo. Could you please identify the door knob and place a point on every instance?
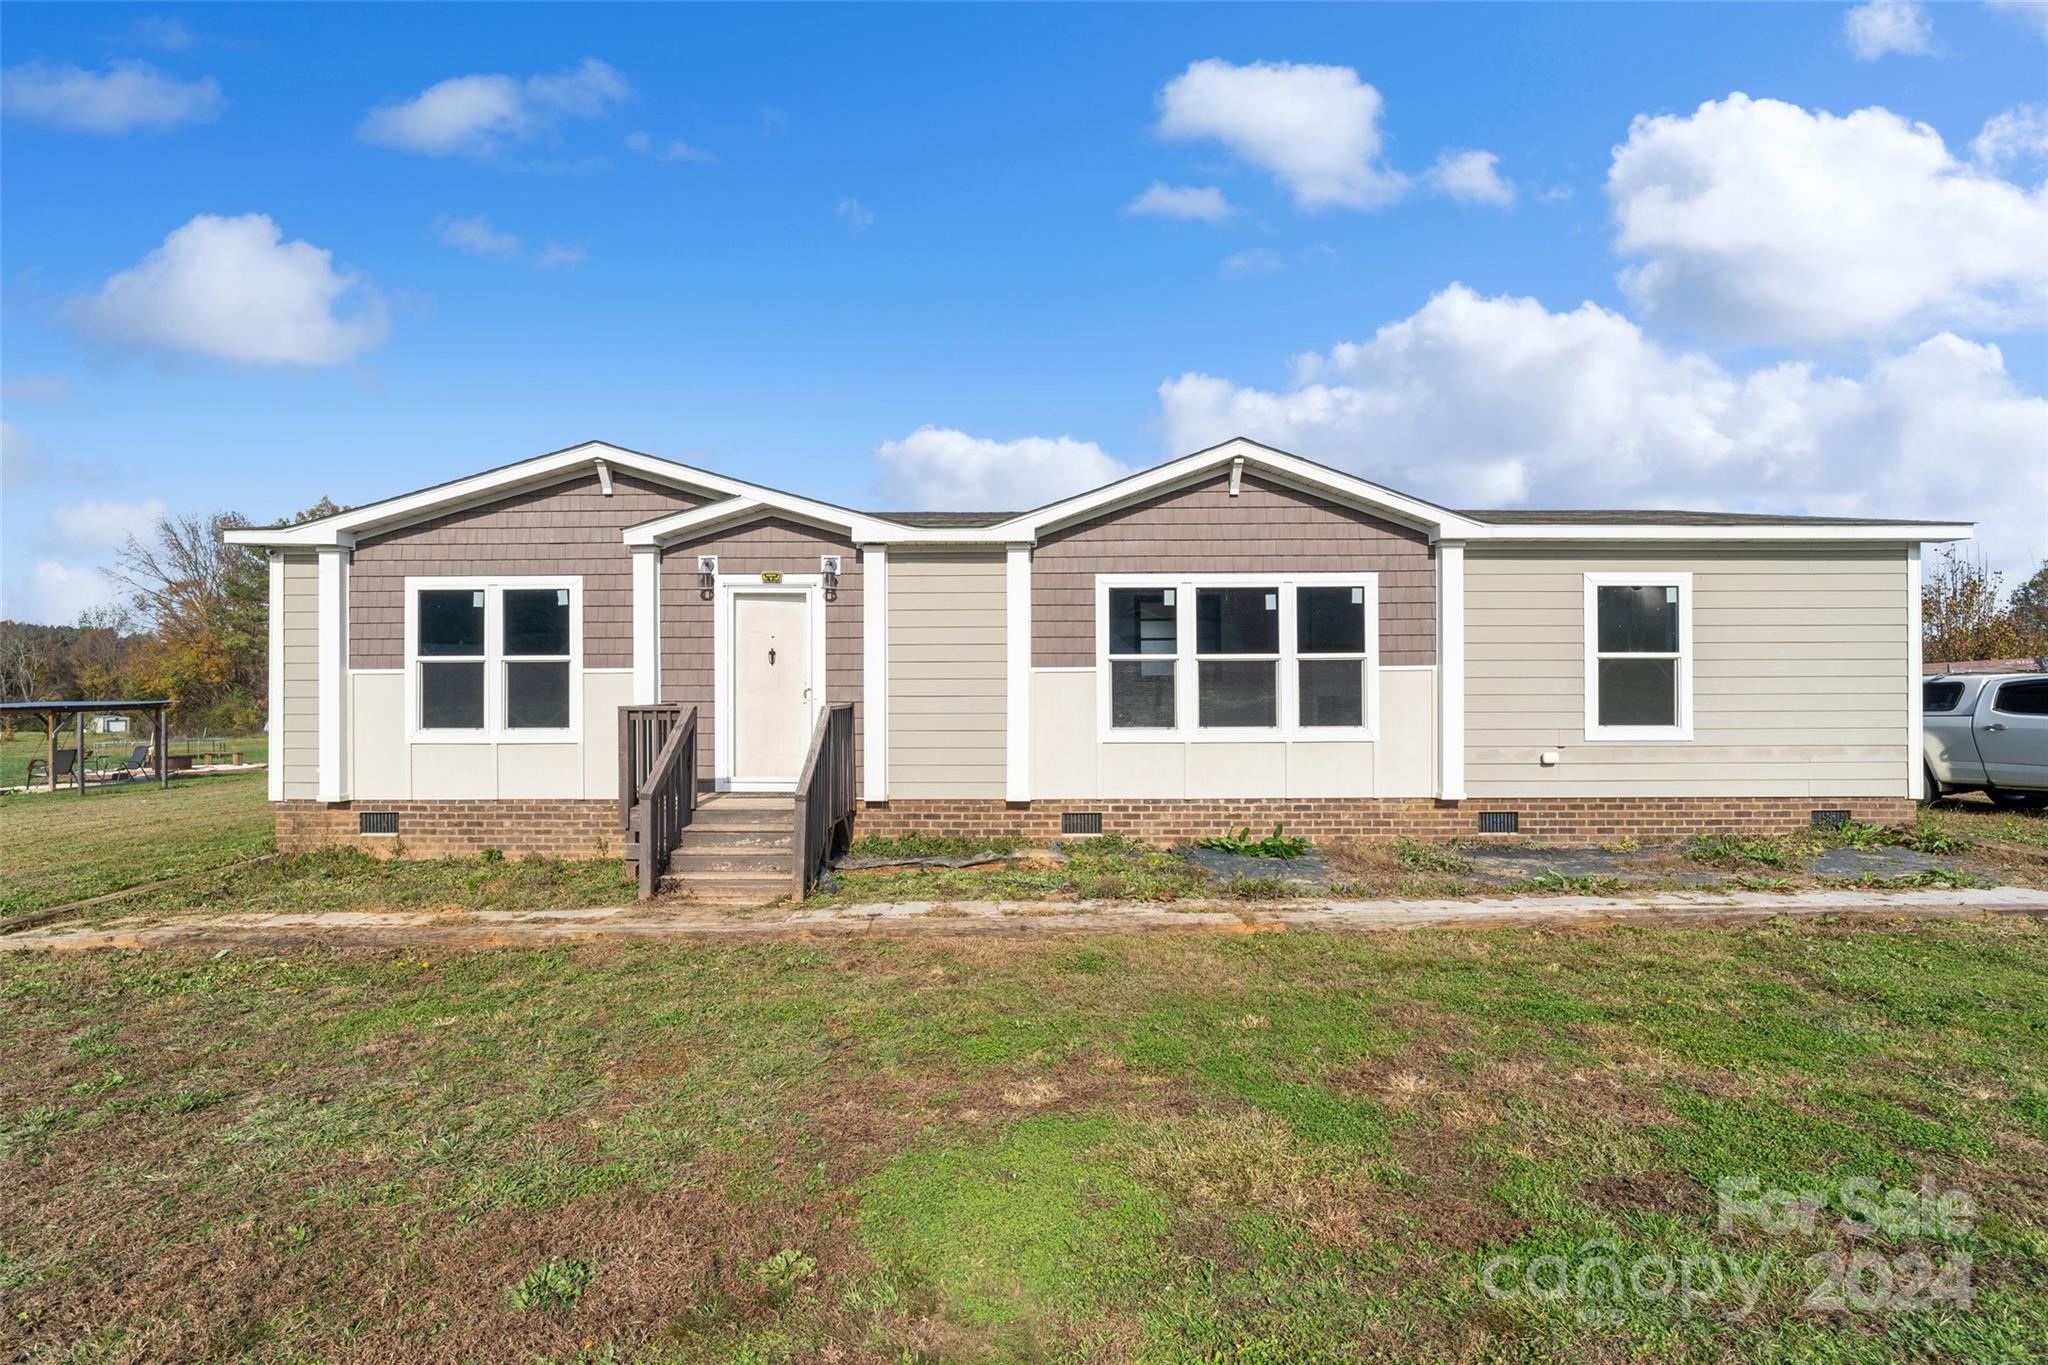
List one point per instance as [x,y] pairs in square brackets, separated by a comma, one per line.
[771,658]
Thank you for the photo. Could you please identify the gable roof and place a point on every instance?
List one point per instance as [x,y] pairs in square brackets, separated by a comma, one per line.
[734,500]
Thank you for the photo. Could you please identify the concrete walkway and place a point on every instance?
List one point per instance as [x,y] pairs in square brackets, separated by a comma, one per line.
[500,928]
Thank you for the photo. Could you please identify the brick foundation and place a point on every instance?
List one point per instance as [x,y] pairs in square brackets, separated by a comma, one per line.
[434,829]
[1566,820]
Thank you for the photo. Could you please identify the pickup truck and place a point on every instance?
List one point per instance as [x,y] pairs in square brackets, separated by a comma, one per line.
[1987,732]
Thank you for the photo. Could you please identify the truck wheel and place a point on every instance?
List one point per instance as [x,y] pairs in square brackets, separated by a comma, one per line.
[2016,800]
[1930,790]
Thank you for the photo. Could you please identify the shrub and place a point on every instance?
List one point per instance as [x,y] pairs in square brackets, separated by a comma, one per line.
[1278,844]
[1421,857]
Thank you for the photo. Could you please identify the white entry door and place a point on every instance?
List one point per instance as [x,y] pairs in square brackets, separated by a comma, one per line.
[771,690]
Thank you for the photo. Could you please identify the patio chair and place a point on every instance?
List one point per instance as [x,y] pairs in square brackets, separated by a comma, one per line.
[67,763]
[130,766]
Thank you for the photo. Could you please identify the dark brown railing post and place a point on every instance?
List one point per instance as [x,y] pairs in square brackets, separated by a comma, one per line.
[822,807]
[657,785]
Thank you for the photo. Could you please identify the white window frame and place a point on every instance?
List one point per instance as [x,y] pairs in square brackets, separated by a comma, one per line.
[494,729]
[1596,733]
[1187,664]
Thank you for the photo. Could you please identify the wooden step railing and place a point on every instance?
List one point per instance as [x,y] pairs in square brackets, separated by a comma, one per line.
[657,785]
[824,797]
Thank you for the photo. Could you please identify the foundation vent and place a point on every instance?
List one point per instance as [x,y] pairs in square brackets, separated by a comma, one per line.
[1500,822]
[377,822]
[1081,822]
[1830,819]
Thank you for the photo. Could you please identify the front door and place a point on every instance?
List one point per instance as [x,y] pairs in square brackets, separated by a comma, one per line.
[771,693]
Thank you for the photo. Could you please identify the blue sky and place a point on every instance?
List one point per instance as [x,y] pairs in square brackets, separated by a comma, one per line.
[898,257]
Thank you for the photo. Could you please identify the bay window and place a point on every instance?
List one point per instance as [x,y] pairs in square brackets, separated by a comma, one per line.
[1209,656]
[1638,656]
[494,658]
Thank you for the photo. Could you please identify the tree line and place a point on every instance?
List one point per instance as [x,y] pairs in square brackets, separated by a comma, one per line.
[1965,613]
[189,623]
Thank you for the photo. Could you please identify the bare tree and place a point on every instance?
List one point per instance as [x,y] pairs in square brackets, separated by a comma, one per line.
[1960,614]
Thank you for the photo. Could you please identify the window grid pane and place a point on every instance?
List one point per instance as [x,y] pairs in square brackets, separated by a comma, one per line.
[452,696]
[1143,621]
[1141,694]
[450,621]
[537,622]
[1639,692]
[1238,694]
[536,695]
[1332,693]
[1638,620]
[1329,620]
[1237,621]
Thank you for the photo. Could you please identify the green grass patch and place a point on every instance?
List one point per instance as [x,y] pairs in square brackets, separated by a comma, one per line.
[918,844]
[1206,1146]
[1243,843]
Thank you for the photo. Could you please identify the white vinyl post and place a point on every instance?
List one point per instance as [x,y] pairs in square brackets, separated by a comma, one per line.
[874,671]
[1916,770]
[646,624]
[273,724]
[1017,701]
[1450,670]
[333,560]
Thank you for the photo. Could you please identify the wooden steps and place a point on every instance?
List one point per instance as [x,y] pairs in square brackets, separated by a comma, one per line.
[736,848]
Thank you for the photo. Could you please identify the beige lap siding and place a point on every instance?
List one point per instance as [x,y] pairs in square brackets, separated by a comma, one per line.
[567,528]
[1800,666]
[299,726]
[770,545]
[948,684]
[1267,528]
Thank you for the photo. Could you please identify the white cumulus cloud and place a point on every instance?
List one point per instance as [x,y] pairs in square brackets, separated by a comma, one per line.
[2018,134]
[125,97]
[1160,200]
[1473,177]
[674,149]
[941,469]
[1475,402]
[234,289]
[1883,26]
[1764,221]
[104,524]
[1316,129]
[478,236]
[57,594]
[2032,13]
[481,115]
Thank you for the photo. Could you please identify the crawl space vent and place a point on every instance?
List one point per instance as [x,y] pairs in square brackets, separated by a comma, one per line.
[377,822]
[1081,822]
[1830,819]
[1500,821]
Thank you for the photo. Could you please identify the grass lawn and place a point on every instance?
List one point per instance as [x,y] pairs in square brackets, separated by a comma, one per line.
[29,742]
[59,847]
[1165,1147]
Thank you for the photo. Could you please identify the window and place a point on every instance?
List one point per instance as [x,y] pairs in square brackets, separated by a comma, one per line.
[1638,656]
[494,659]
[1144,651]
[1940,696]
[2022,698]
[1215,657]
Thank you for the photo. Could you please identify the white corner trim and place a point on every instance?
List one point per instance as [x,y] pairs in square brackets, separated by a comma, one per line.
[273,723]
[1596,733]
[1017,655]
[874,671]
[1450,670]
[1916,769]
[646,625]
[333,681]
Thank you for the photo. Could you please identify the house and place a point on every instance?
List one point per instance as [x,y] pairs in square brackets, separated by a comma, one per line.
[1239,636]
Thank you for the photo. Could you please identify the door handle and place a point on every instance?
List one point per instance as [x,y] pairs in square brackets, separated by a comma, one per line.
[1994,727]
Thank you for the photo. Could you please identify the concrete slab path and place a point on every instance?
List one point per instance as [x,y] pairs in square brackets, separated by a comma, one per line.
[500,928]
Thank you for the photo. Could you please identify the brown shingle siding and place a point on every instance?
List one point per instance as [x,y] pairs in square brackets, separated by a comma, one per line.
[1267,528]
[566,528]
